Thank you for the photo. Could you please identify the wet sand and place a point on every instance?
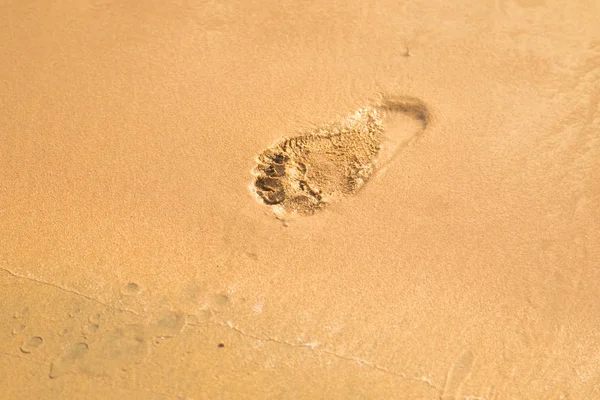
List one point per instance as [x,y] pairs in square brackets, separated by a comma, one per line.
[136,262]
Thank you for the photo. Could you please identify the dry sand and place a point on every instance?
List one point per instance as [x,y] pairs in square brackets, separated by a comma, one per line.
[136,263]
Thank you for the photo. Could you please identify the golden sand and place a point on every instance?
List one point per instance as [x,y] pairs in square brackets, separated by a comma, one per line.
[136,263]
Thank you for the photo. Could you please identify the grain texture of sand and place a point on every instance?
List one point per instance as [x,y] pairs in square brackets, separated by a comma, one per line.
[136,261]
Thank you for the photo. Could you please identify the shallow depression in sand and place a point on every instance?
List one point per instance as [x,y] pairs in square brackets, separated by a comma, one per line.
[302,174]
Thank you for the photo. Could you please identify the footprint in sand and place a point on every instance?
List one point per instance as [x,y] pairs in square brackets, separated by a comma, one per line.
[302,174]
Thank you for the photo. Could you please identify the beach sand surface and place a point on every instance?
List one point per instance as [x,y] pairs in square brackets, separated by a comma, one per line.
[137,262]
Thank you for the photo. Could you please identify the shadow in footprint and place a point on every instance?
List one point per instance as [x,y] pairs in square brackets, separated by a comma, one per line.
[302,174]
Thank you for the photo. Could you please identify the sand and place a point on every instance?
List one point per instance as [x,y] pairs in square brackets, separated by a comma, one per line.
[136,262]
